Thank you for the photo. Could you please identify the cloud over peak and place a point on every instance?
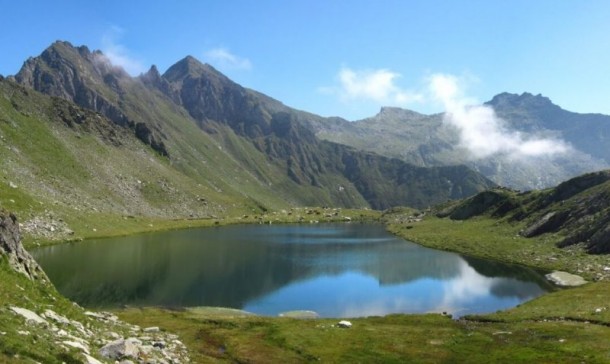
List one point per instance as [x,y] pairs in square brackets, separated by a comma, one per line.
[223,58]
[118,54]
[482,132]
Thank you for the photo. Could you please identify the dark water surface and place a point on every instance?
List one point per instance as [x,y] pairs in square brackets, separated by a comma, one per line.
[337,270]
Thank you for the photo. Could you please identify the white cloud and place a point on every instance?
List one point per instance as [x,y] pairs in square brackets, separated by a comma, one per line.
[223,58]
[118,54]
[482,132]
[372,85]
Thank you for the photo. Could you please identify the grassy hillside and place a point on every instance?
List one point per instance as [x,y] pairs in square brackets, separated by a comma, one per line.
[70,173]
[573,214]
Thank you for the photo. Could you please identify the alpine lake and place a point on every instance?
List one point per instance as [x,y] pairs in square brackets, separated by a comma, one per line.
[336,270]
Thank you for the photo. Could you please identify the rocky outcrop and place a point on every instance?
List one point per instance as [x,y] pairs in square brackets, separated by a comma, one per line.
[101,335]
[10,246]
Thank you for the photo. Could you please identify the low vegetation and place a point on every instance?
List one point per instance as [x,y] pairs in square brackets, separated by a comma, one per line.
[540,331]
[563,326]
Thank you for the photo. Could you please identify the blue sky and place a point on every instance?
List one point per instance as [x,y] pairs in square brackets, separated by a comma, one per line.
[343,58]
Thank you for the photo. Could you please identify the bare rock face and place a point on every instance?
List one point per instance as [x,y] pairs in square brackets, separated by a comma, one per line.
[10,245]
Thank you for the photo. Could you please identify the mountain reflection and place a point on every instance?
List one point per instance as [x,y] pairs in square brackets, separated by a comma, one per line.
[269,269]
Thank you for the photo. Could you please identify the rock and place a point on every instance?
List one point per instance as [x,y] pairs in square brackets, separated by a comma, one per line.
[80,328]
[121,349]
[77,345]
[91,360]
[50,314]
[29,316]
[146,349]
[565,279]
[10,245]
[151,329]
[344,324]
[102,316]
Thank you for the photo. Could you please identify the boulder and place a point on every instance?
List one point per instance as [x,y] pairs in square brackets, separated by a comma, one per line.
[121,349]
[344,324]
[91,360]
[29,316]
[565,279]
[50,314]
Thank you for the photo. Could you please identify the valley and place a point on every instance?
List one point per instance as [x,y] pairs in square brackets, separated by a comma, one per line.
[88,151]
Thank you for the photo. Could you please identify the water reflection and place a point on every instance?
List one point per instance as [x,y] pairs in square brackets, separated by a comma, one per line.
[336,270]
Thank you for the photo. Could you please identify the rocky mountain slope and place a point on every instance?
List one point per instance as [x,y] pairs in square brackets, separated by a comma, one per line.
[576,212]
[79,133]
[426,140]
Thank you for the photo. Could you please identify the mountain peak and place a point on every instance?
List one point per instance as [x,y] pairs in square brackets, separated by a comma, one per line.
[396,112]
[526,100]
[153,73]
[65,50]
[189,66]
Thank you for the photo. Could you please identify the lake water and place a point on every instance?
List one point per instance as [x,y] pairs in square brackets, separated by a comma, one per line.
[337,270]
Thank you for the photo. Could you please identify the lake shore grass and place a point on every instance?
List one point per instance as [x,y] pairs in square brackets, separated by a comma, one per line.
[516,336]
[568,326]
[99,226]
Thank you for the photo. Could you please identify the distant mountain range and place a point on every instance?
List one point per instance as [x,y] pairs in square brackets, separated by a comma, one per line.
[80,133]
[426,140]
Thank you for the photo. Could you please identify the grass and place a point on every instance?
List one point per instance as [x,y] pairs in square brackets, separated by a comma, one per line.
[394,338]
